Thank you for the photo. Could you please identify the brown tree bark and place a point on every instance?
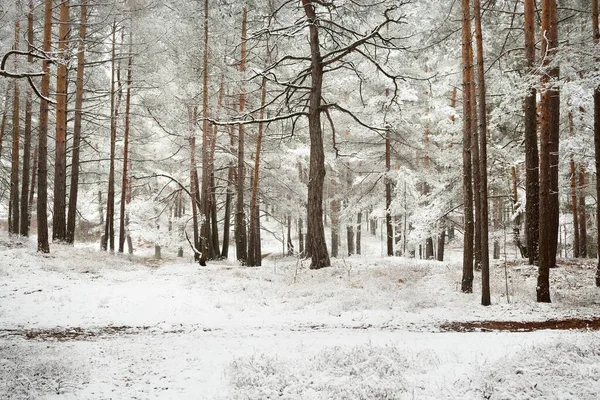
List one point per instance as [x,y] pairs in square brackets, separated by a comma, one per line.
[548,141]
[74,186]
[358,233]
[389,228]
[125,178]
[531,146]
[350,237]
[290,244]
[316,230]
[59,222]
[254,248]
[596,34]
[4,116]
[13,207]
[335,219]
[574,204]
[109,230]
[194,190]
[42,201]
[205,229]
[241,237]
[467,81]
[483,190]
[25,217]
[228,198]
[582,214]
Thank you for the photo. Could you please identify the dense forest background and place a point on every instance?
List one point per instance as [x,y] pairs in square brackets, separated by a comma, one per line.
[136,122]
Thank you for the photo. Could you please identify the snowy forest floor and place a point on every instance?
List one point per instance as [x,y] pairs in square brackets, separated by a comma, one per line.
[81,324]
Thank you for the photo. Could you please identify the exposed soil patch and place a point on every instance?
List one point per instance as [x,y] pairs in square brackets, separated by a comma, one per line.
[522,326]
[75,333]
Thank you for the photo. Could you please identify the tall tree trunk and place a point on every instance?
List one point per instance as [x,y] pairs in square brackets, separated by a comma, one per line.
[14,169]
[531,146]
[475,170]
[109,232]
[483,197]
[548,142]
[596,33]
[254,248]
[74,187]
[358,232]
[59,222]
[335,219]
[467,78]
[194,190]
[290,244]
[215,253]
[205,229]
[574,204]
[350,236]
[25,206]
[582,214]
[34,169]
[213,215]
[316,230]
[441,244]
[125,178]
[4,116]
[241,239]
[389,228]
[228,198]
[42,202]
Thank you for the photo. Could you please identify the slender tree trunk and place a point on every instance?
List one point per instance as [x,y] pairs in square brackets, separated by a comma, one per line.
[241,239]
[214,247]
[42,202]
[574,205]
[228,199]
[205,229]
[358,232]
[475,170]
[441,244]
[74,187]
[194,189]
[483,197]
[59,222]
[290,244]
[531,146]
[582,214]
[467,75]
[34,169]
[316,231]
[25,206]
[301,238]
[125,178]
[4,116]
[254,248]
[214,217]
[596,33]
[14,169]
[550,114]
[388,197]
[350,236]
[109,232]
[335,219]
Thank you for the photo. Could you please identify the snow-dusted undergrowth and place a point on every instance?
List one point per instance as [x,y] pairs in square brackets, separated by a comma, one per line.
[368,327]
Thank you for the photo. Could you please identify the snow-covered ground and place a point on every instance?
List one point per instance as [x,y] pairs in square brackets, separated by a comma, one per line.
[81,324]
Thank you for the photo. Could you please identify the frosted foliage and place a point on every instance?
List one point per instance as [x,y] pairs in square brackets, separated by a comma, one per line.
[362,372]
[26,374]
[555,370]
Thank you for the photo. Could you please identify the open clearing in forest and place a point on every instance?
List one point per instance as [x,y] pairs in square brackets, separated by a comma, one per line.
[80,324]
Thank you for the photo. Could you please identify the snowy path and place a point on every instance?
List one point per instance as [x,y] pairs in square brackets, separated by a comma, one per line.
[194,364]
